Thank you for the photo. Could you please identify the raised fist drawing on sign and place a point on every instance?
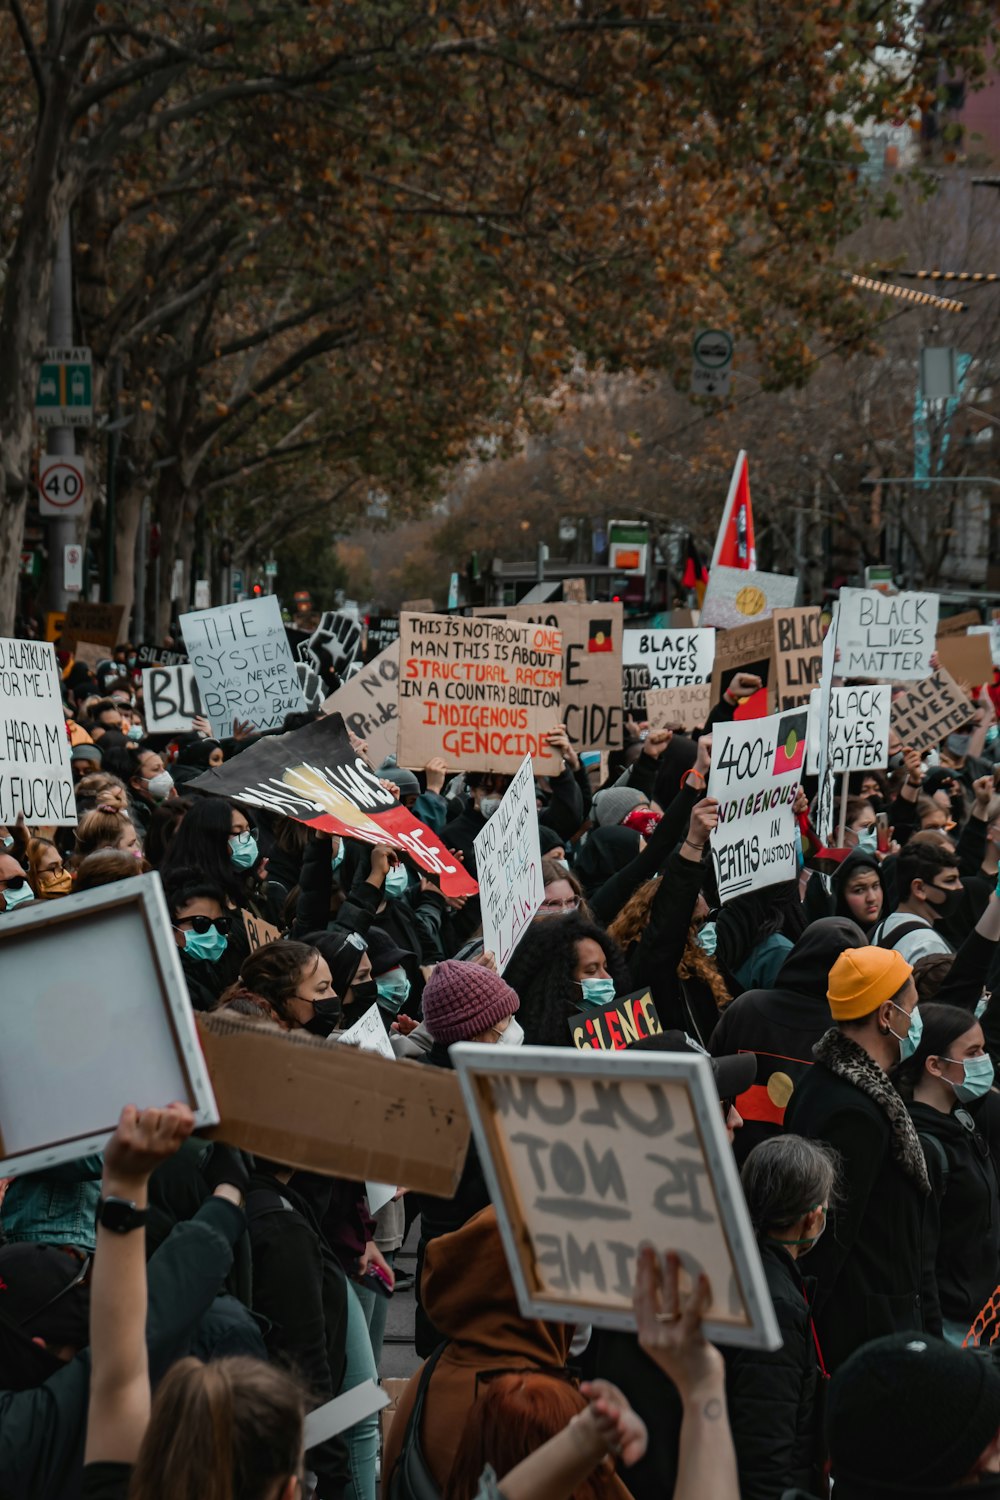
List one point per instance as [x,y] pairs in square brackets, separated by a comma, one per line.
[311,683]
[333,645]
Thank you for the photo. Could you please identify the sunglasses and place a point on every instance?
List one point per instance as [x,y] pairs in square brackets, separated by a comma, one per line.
[201,925]
[83,1275]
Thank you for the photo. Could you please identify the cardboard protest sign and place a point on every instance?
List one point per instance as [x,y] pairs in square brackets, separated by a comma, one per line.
[886,636]
[672,658]
[929,711]
[369,1033]
[824,800]
[992,633]
[381,632]
[748,649]
[258,931]
[574,590]
[480,693]
[635,686]
[798,655]
[858,728]
[615,1026]
[170,699]
[509,867]
[587,1154]
[89,653]
[679,707]
[959,624]
[321,1107]
[99,623]
[313,776]
[85,1047]
[160,656]
[242,663]
[966,658]
[756,767]
[740,596]
[590,704]
[369,704]
[35,776]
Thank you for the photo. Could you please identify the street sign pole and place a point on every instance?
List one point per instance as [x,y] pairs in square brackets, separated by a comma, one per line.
[62,530]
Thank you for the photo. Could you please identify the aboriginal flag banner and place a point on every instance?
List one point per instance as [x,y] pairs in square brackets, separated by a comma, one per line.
[313,776]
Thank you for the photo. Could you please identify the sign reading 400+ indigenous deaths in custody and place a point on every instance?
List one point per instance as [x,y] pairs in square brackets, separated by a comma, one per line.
[35,776]
[480,693]
[757,765]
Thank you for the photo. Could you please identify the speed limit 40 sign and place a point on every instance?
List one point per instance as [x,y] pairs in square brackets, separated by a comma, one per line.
[60,484]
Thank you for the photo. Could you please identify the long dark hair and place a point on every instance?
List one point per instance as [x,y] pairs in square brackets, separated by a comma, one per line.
[202,843]
[541,975]
[943,1024]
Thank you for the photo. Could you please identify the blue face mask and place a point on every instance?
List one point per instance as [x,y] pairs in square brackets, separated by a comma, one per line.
[210,945]
[597,991]
[393,990]
[336,860]
[396,881]
[978,1077]
[134,732]
[243,850]
[707,938]
[13,899]
[909,1043]
[868,839]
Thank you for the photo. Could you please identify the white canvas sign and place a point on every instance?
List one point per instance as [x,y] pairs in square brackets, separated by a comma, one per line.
[170,699]
[756,767]
[886,636]
[243,664]
[369,1033]
[35,776]
[858,728]
[509,867]
[740,596]
[673,658]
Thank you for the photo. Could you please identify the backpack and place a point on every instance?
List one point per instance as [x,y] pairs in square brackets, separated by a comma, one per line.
[903,930]
[411,1479]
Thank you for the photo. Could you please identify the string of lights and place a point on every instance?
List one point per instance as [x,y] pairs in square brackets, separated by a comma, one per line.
[906,293]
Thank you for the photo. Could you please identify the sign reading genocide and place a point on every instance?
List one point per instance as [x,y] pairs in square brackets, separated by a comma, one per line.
[741,596]
[615,1026]
[589,1153]
[858,728]
[369,704]
[35,776]
[509,867]
[930,710]
[798,655]
[886,636]
[479,693]
[590,704]
[756,766]
[243,665]
[313,776]
[170,699]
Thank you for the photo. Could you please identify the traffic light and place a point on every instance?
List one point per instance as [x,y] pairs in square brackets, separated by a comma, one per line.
[258,589]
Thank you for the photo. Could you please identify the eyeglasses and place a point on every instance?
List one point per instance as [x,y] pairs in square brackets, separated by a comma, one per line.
[572,905]
[222,925]
[245,836]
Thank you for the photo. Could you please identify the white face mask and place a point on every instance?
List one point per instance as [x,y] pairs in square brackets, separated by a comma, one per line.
[511,1036]
[489,805]
[161,785]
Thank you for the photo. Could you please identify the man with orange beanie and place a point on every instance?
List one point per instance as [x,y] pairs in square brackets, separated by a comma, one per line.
[871,1264]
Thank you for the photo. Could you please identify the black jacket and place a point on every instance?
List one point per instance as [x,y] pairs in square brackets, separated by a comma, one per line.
[653,960]
[873,1267]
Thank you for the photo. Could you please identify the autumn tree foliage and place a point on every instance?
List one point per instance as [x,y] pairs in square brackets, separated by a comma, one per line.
[327,246]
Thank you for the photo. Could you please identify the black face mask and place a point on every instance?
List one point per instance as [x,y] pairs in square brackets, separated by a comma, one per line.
[322,1025]
[364,993]
[946,907]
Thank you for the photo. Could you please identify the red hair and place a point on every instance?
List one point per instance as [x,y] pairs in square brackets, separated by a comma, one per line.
[514,1416]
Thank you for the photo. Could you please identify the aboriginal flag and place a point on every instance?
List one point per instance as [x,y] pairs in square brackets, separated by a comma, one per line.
[790,750]
[695,572]
[599,638]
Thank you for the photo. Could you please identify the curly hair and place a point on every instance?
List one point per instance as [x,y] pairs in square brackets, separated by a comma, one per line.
[695,963]
[269,977]
[541,975]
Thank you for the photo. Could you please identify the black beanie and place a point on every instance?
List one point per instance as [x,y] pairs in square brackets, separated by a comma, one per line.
[909,1413]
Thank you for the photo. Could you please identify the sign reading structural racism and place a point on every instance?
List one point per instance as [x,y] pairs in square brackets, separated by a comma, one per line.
[313,776]
[509,866]
[886,636]
[243,664]
[479,693]
[756,767]
[35,776]
[615,1026]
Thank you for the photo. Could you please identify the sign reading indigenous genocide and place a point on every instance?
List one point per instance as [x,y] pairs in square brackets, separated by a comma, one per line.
[509,867]
[615,1026]
[672,658]
[589,1153]
[313,776]
[679,707]
[590,704]
[243,664]
[369,704]
[480,693]
[798,655]
[886,636]
[738,596]
[858,728]
[756,766]
[35,776]
[930,710]
[170,699]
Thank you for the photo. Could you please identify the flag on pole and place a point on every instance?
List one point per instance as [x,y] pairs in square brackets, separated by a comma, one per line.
[734,545]
[695,574]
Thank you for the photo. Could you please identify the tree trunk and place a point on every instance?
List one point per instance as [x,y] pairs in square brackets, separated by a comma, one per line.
[128,515]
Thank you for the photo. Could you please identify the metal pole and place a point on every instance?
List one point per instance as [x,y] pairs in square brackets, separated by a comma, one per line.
[141,556]
[842,825]
[60,440]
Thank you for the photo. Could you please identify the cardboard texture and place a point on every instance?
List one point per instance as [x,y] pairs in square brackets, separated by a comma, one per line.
[393,1389]
[798,655]
[170,699]
[930,710]
[369,703]
[258,931]
[966,658]
[679,707]
[748,649]
[959,624]
[99,623]
[324,1108]
[575,590]
[480,693]
[90,653]
[739,596]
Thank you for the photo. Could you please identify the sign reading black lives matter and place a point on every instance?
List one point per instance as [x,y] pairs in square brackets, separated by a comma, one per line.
[756,767]
[170,699]
[587,1154]
[887,636]
[35,776]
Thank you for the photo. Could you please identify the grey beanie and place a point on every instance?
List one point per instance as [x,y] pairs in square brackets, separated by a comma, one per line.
[407,782]
[614,804]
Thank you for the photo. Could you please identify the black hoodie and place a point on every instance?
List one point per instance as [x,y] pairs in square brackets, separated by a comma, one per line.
[858,859]
[781,1026]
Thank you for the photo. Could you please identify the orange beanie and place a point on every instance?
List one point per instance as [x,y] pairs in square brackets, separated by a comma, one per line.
[862,979]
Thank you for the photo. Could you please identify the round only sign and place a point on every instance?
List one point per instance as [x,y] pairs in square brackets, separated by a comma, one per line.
[61,482]
[713,349]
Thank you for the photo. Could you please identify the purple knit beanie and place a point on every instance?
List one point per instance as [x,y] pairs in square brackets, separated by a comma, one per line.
[463,1000]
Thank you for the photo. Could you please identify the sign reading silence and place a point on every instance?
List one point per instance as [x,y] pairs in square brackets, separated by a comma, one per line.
[64,397]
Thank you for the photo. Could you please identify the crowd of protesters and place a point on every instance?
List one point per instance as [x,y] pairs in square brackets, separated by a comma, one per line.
[173,1351]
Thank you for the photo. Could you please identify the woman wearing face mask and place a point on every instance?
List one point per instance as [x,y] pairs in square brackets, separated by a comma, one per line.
[559,967]
[216,839]
[47,874]
[202,924]
[942,1083]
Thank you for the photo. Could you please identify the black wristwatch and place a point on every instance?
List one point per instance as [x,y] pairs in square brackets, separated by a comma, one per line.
[120,1215]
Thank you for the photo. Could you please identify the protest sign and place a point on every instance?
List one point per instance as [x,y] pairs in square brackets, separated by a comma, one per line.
[824,799]
[244,668]
[679,707]
[858,728]
[84,1047]
[99,623]
[335,644]
[929,711]
[574,590]
[992,631]
[587,1154]
[343,1412]
[479,693]
[313,776]
[672,658]
[886,636]
[369,1033]
[509,867]
[966,658]
[959,624]
[615,1026]
[35,776]
[170,699]
[369,702]
[748,649]
[635,686]
[258,931]
[381,632]
[89,653]
[321,1107]
[741,596]
[798,655]
[756,767]
[160,656]
[590,704]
